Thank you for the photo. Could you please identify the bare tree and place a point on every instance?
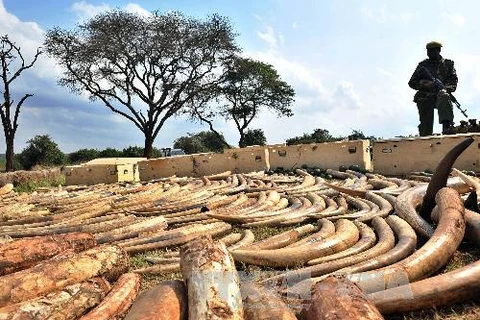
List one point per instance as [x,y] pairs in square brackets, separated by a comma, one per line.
[144,68]
[13,64]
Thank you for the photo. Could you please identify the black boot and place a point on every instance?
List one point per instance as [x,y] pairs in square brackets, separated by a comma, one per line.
[448,127]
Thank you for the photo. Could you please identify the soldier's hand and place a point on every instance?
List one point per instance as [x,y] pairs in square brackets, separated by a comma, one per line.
[427,84]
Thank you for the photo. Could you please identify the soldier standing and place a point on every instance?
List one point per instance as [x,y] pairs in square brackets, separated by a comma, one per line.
[429,96]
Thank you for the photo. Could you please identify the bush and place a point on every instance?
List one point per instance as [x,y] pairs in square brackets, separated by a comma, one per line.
[203,141]
[110,153]
[137,152]
[83,155]
[41,151]
[255,137]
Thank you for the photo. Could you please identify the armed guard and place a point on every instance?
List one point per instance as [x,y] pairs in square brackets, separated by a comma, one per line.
[434,79]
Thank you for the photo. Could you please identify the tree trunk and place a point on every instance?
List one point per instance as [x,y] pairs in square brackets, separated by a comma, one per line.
[241,142]
[9,139]
[338,298]
[147,151]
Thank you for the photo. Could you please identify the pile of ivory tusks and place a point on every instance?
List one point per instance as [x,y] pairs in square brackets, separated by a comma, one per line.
[360,226]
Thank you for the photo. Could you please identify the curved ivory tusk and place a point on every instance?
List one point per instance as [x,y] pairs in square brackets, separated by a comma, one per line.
[327,229]
[347,234]
[445,289]
[367,240]
[440,177]
[386,241]
[248,238]
[283,239]
[430,257]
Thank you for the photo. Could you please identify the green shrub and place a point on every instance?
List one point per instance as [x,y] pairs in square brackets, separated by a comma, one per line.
[41,151]
[83,155]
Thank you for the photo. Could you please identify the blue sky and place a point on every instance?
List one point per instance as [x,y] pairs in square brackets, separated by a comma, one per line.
[349,62]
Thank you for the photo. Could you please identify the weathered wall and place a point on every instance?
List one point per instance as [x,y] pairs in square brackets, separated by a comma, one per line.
[403,156]
[249,159]
[104,170]
[237,160]
[179,166]
[115,160]
[100,173]
[196,165]
[329,155]
[211,163]
[90,174]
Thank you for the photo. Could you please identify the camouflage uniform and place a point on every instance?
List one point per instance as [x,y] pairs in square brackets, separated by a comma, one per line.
[427,100]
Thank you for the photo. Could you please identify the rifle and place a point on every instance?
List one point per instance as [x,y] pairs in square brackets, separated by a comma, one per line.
[440,86]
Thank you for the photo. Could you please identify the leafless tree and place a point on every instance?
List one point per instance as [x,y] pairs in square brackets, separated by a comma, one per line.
[13,64]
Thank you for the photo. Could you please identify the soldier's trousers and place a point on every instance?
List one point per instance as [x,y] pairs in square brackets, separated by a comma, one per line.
[426,112]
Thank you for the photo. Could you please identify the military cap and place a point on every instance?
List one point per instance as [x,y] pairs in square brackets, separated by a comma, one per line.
[433,44]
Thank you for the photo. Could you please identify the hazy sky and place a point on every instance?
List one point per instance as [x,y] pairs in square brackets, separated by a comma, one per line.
[349,62]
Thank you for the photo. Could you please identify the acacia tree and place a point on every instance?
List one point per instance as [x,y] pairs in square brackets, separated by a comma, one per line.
[203,141]
[255,137]
[144,68]
[12,65]
[247,87]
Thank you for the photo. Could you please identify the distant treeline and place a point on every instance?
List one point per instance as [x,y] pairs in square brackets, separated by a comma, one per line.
[41,151]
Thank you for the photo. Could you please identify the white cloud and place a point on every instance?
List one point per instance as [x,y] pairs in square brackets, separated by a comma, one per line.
[294,72]
[384,15]
[27,35]
[345,97]
[268,36]
[86,10]
[135,8]
[456,19]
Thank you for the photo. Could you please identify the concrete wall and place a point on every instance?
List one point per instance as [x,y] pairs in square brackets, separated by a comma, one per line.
[211,163]
[329,155]
[403,156]
[115,161]
[238,160]
[249,159]
[91,174]
[203,164]
[179,166]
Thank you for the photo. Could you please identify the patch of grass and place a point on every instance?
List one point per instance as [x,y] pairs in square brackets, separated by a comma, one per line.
[31,185]
[149,280]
